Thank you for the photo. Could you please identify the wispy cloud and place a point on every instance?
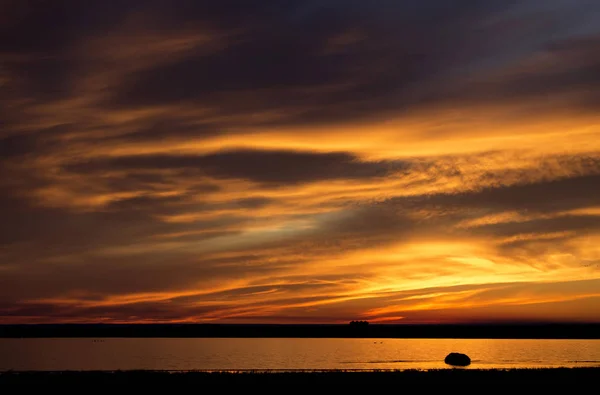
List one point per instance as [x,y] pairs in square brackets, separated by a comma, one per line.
[299,162]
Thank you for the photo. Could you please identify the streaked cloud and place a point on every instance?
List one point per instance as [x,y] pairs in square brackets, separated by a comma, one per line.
[312,161]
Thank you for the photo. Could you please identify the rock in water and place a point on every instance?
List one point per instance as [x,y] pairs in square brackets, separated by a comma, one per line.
[457,359]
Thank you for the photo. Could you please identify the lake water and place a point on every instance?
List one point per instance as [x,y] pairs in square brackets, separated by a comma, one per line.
[288,354]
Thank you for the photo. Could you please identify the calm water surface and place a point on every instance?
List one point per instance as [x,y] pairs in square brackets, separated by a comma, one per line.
[242,354]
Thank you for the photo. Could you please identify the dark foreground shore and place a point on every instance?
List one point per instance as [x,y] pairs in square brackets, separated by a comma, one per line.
[452,380]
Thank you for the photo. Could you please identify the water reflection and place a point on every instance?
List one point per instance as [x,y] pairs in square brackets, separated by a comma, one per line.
[289,354]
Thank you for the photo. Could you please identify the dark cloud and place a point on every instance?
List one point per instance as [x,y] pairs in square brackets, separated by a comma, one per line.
[137,312]
[565,71]
[15,147]
[574,223]
[38,40]
[311,62]
[174,126]
[539,197]
[57,230]
[322,62]
[341,61]
[259,166]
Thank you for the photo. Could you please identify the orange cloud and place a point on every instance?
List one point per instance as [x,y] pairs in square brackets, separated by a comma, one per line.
[171,166]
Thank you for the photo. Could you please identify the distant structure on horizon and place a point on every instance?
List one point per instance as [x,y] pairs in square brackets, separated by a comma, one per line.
[359,324]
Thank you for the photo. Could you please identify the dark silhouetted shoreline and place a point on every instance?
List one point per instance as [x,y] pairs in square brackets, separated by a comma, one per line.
[513,331]
[448,380]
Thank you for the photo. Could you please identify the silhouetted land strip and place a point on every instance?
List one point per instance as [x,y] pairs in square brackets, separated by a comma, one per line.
[534,331]
[450,381]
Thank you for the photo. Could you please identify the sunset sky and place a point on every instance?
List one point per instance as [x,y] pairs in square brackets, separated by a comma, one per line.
[314,161]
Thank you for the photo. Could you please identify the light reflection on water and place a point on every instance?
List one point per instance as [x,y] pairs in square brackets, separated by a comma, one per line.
[289,354]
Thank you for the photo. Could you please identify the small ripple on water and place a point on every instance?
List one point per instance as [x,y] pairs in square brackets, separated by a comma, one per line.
[390,361]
